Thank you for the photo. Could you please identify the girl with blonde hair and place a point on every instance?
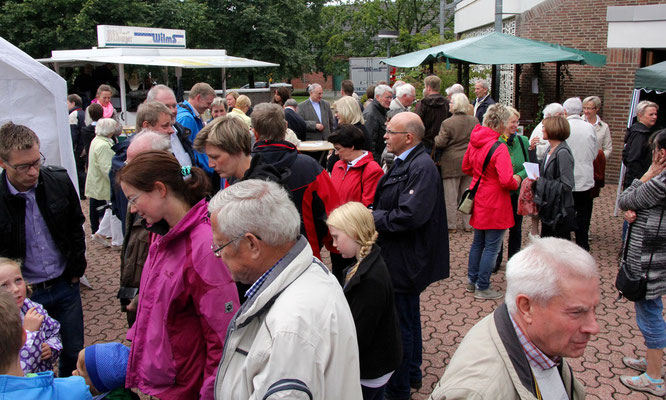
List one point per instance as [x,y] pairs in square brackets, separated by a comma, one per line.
[369,292]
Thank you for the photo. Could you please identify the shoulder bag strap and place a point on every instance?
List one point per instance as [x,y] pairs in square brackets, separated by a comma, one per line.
[485,164]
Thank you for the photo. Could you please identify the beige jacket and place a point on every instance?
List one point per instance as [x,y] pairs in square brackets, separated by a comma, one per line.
[453,139]
[490,364]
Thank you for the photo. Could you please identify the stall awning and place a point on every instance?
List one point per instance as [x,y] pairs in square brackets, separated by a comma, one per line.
[496,48]
[652,77]
[183,58]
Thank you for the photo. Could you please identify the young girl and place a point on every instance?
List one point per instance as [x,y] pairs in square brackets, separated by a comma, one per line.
[369,292]
[42,345]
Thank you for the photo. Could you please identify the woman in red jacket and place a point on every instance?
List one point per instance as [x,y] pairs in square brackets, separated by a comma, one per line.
[492,214]
[356,174]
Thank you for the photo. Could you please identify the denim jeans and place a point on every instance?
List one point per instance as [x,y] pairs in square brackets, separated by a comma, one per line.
[409,313]
[650,321]
[63,303]
[482,256]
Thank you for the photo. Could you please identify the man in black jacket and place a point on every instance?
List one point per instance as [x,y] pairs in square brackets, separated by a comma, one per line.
[410,216]
[375,119]
[41,223]
[433,110]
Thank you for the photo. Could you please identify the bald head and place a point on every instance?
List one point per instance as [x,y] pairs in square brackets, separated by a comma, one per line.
[411,123]
[147,140]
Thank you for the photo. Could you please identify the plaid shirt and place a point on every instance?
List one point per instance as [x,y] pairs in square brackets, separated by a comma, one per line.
[536,357]
[257,285]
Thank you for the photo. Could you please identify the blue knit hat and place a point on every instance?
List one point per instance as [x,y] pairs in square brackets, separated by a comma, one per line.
[106,364]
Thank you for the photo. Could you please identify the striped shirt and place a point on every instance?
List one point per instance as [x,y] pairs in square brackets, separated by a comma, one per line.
[257,284]
[536,357]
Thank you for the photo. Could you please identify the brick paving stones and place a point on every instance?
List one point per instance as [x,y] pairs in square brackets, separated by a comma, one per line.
[448,312]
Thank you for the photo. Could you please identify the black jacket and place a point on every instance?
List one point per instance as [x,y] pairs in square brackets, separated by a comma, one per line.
[296,123]
[370,297]
[553,191]
[483,107]
[59,205]
[410,216]
[375,124]
[433,110]
[636,155]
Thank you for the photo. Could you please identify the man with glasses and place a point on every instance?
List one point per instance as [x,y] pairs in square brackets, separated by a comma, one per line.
[410,216]
[294,336]
[41,223]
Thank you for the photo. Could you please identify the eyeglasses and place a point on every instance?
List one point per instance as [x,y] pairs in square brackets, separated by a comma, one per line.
[218,251]
[23,168]
[394,132]
[132,200]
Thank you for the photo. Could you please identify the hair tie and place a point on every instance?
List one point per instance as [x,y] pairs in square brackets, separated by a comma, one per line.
[186,171]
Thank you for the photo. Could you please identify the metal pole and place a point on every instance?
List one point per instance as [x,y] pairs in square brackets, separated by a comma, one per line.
[224,82]
[442,4]
[121,85]
[496,68]
[388,67]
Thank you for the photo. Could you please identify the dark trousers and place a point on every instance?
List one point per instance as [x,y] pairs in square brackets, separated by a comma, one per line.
[515,233]
[373,393]
[409,313]
[95,216]
[583,205]
[555,231]
[63,303]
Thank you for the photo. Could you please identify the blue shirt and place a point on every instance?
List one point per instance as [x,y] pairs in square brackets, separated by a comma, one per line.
[317,108]
[43,261]
[259,282]
[405,153]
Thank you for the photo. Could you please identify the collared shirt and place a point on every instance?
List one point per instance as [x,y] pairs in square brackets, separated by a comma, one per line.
[317,108]
[405,153]
[43,261]
[356,160]
[536,357]
[178,149]
[477,102]
[257,285]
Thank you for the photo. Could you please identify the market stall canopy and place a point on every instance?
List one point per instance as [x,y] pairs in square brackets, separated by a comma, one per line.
[35,96]
[496,48]
[652,77]
[183,58]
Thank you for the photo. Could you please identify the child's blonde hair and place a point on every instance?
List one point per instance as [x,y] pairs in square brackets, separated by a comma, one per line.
[356,221]
[17,264]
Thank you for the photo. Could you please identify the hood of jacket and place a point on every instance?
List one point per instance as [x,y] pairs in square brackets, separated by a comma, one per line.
[197,215]
[434,100]
[279,153]
[482,135]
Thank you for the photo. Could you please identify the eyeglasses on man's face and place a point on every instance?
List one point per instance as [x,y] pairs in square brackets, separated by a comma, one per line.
[218,251]
[23,168]
[390,132]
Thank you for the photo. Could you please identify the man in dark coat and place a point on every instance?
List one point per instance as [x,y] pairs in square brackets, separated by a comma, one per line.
[410,216]
[294,121]
[483,99]
[375,118]
[433,110]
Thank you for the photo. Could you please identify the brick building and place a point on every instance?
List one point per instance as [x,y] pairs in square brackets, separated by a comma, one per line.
[600,26]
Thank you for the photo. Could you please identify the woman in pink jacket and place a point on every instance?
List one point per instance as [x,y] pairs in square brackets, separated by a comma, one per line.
[187,294]
[492,214]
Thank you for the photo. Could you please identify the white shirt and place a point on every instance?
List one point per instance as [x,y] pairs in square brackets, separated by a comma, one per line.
[178,150]
[543,144]
[583,144]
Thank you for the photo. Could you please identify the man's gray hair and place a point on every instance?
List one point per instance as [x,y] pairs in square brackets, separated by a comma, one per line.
[552,110]
[262,208]
[107,127]
[312,87]
[155,90]
[380,89]
[483,83]
[153,139]
[291,103]
[573,106]
[456,88]
[404,90]
[541,269]
[396,85]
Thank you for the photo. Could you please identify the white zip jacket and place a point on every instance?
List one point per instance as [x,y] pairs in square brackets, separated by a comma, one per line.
[294,339]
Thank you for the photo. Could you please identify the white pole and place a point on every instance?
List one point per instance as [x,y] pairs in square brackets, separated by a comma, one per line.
[121,85]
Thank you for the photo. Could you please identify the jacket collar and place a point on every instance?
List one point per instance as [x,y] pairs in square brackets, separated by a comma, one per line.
[363,268]
[405,164]
[197,214]
[561,147]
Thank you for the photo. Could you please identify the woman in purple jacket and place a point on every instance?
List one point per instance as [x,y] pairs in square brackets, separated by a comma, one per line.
[187,294]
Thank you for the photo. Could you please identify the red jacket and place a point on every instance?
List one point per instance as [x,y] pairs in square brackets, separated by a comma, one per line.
[358,183]
[492,203]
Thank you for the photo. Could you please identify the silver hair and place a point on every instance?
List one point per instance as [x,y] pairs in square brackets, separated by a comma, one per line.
[497,117]
[541,269]
[573,106]
[396,85]
[459,103]
[404,90]
[552,110]
[644,105]
[312,87]
[291,103]
[483,83]
[153,92]
[595,100]
[380,89]
[107,127]
[456,88]
[262,208]
[156,140]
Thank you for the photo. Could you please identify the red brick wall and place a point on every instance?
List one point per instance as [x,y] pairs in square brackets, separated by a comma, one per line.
[582,25]
[302,82]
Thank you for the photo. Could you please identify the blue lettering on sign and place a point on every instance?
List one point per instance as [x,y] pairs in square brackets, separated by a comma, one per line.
[160,37]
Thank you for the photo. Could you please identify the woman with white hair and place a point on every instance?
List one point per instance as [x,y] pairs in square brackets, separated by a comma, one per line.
[243,104]
[636,153]
[492,214]
[453,139]
[591,106]
[98,184]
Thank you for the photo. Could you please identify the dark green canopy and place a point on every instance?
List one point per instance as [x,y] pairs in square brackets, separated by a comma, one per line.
[652,77]
[497,48]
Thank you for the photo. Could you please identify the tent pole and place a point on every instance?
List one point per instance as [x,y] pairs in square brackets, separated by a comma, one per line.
[224,82]
[494,89]
[557,81]
[460,72]
[465,78]
[431,67]
[516,87]
[121,85]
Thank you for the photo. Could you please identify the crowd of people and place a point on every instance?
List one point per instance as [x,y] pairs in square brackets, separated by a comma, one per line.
[221,224]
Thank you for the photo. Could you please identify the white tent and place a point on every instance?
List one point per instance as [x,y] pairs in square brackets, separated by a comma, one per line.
[35,96]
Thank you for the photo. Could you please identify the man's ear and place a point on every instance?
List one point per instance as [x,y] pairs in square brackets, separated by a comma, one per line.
[256,134]
[524,308]
[145,124]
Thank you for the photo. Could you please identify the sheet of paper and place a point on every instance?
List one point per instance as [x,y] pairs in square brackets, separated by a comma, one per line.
[311,144]
[532,170]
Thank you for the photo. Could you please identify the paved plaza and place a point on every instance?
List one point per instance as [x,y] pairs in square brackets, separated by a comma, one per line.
[448,312]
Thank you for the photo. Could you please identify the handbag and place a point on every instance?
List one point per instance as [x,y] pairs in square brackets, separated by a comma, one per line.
[467,199]
[633,289]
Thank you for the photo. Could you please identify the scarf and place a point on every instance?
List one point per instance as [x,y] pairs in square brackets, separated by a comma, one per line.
[108,108]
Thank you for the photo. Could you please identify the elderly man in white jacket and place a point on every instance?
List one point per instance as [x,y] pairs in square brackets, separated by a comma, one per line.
[294,337]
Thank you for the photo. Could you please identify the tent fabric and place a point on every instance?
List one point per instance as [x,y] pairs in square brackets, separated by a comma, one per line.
[652,77]
[496,48]
[183,58]
[35,96]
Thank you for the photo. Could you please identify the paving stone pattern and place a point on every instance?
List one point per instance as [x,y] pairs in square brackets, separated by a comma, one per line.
[448,312]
